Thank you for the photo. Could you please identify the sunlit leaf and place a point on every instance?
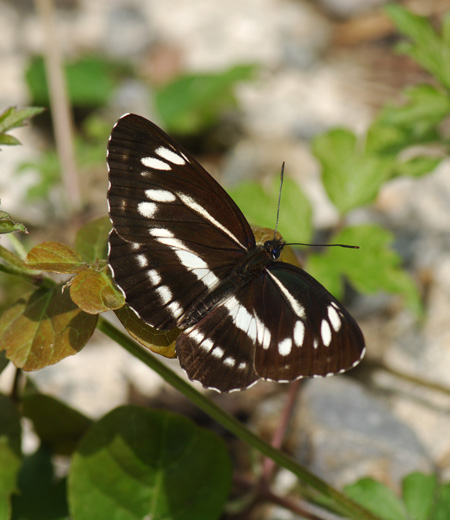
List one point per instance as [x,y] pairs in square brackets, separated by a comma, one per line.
[55,257]
[419,495]
[94,292]
[377,498]
[44,327]
[259,206]
[195,101]
[374,267]
[351,176]
[91,239]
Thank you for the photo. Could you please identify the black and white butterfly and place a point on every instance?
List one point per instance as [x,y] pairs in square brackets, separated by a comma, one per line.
[184,256]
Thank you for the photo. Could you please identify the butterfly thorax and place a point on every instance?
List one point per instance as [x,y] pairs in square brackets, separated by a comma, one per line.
[251,265]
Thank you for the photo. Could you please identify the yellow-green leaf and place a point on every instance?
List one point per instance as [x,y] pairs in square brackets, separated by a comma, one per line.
[158,341]
[55,257]
[93,292]
[44,327]
[91,239]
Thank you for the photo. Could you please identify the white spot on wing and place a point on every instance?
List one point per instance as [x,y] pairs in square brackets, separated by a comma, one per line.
[217,352]
[147,209]
[207,345]
[295,305]
[190,202]
[251,325]
[175,309]
[206,276]
[325,332]
[196,335]
[229,362]
[154,276]
[160,232]
[188,258]
[334,317]
[164,293]
[285,347]
[155,164]
[160,195]
[299,333]
[170,156]
[142,260]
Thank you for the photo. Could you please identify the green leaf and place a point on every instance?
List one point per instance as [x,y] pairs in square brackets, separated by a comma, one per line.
[44,327]
[55,257]
[91,240]
[428,48]
[94,292]
[59,426]
[416,122]
[260,206]
[425,105]
[8,140]
[158,341]
[136,463]
[13,118]
[351,176]
[12,264]
[377,498]
[90,81]
[417,166]
[374,267]
[10,454]
[419,493]
[442,509]
[41,495]
[195,101]
[7,224]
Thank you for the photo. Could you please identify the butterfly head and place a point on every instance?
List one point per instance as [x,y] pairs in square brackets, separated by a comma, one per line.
[274,247]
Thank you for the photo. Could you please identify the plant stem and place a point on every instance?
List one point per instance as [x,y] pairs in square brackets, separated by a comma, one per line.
[335,499]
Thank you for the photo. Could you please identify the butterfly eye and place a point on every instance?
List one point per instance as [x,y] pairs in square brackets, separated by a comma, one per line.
[274,248]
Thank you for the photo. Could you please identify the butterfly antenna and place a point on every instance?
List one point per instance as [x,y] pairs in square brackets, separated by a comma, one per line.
[321,245]
[279,201]
[298,243]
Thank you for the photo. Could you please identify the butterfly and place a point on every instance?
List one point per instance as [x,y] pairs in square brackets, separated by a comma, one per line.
[184,256]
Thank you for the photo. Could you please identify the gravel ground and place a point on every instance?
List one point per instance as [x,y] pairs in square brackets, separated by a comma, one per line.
[323,64]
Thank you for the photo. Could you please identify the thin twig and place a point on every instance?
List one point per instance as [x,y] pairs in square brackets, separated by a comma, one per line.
[61,114]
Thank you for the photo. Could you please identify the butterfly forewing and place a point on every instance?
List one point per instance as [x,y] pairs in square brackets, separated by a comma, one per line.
[184,231]
[184,255]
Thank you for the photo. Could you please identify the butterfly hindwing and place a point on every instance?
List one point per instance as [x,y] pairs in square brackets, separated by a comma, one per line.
[312,333]
[281,326]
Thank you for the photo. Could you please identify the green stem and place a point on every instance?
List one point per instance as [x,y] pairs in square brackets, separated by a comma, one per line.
[340,502]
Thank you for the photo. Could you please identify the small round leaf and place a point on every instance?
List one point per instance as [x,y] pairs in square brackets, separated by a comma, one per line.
[55,257]
[94,293]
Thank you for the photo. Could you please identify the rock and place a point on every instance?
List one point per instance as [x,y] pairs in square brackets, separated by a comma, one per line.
[349,434]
